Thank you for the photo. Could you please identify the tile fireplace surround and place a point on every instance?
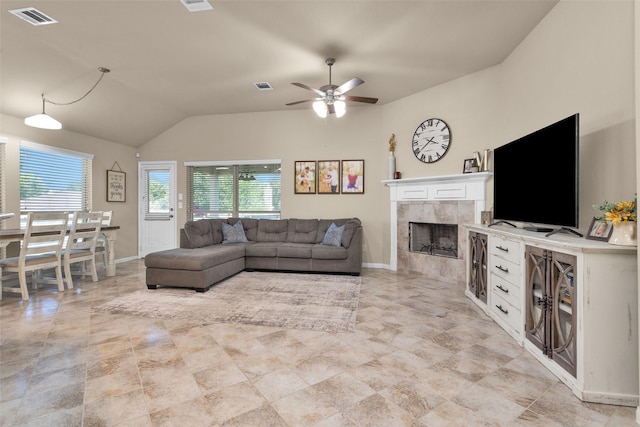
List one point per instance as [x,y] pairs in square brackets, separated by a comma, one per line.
[450,199]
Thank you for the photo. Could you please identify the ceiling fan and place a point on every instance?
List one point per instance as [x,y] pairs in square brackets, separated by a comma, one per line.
[331,97]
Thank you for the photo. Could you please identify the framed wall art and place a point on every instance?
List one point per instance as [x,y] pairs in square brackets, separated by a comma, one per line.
[116,186]
[305,177]
[353,177]
[329,177]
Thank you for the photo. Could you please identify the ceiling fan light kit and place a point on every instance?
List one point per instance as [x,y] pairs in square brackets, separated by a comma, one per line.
[332,98]
[44,121]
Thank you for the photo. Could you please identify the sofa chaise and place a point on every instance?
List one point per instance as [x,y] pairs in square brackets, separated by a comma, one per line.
[212,250]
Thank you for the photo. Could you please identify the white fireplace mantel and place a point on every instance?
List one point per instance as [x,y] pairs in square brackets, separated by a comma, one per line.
[460,187]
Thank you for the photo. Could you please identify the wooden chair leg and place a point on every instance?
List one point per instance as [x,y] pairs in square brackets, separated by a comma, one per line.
[59,279]
[67,276]
[94,272]
[24,289]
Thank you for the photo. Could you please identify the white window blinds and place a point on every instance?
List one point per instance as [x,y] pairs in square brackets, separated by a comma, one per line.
[233,190]
[54,179]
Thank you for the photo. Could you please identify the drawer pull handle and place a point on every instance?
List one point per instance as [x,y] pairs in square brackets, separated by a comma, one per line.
[506,291]
[502,249]
[499,307]
[501,268]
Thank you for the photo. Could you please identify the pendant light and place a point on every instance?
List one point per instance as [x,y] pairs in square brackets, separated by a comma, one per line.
[44,121]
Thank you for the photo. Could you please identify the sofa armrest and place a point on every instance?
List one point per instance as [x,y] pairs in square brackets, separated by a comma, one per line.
[354,251]
[184,242]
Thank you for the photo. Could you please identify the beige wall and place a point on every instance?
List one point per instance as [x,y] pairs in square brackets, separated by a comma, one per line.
[579,59]
[106,154]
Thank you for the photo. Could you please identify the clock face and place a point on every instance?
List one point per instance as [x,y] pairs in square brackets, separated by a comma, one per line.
[431,140]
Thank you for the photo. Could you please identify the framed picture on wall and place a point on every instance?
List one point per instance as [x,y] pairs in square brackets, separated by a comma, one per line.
[305,177]
[329,177]
[353,177]
[116,186]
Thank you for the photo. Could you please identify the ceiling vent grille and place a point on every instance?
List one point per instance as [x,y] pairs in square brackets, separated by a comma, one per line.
[196,5]
[263,86]
[33,16]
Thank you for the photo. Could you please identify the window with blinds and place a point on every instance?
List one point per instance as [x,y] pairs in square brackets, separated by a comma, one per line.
[54,179]
[233,190]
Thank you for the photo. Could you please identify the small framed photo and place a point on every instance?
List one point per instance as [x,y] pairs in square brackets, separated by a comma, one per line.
[305,177]
[328,176]
[353,177]
[469,166]
[599,230]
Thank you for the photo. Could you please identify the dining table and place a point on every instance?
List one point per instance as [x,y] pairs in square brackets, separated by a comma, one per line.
[110,232]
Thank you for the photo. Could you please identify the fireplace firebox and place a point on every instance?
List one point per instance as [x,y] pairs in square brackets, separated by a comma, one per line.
[434,239]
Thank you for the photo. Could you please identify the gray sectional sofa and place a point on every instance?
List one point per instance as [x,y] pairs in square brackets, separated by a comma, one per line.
[212,250]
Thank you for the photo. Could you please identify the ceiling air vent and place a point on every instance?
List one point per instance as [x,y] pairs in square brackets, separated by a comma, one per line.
[33,16]
[263,86]
[196,5]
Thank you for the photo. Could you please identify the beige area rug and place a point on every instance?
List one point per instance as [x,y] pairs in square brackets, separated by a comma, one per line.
[319,302]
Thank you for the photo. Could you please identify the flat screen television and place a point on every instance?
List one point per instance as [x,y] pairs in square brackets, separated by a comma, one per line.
[535,177]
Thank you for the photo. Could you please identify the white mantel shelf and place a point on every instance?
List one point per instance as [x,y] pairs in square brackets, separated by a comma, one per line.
[463,177]
[459,187]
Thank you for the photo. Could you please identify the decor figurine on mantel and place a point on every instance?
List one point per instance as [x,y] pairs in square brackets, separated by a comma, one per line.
[623,216]
[482,161]
[392,157]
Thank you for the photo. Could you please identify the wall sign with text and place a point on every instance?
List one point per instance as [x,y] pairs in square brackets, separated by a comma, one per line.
[116,186]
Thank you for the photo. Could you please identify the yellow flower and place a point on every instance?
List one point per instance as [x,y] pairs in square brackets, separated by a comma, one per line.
[618,212]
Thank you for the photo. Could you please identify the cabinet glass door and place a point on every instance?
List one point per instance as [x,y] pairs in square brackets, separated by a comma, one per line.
[478,259]
[536,319]
[563,339]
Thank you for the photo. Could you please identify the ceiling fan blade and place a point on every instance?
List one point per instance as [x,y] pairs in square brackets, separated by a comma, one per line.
[331,109]
[304,86]
[361,99]
[304,100]
[345,87]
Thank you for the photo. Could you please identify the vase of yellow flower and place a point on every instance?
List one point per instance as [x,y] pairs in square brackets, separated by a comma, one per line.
[623,216]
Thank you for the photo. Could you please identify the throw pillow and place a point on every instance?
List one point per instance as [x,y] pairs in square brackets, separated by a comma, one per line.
[233,233]
[333,236]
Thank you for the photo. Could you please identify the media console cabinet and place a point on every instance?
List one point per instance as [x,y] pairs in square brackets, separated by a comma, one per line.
[571,302]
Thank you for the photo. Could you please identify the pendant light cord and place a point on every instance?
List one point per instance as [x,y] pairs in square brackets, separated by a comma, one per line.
[101,69]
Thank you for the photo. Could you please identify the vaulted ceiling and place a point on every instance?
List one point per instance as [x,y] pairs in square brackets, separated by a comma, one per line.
[168,63]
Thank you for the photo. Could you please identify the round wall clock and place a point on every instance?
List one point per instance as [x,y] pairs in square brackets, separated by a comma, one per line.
[431,140]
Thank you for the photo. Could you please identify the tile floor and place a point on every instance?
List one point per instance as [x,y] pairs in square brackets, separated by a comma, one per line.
[422,355]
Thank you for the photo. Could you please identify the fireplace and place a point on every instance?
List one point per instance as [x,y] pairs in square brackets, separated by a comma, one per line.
[452,201]
[434,239]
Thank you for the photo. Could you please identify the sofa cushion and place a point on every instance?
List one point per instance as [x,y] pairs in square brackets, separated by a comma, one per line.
[216,229]
[262,249]
[273,230]
[294,250]
[233,233]
[250,227]
[320,251]
[333,236]
[351,225]
[194,259]
[198,233]
[302,230]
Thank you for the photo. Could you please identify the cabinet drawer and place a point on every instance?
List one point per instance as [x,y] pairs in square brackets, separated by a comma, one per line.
[505,269]
[507,290]
[505,248]
[505,311]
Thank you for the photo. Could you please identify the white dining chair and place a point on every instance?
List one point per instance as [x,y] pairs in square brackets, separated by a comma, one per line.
[41,249]
[81,244]
[102,243]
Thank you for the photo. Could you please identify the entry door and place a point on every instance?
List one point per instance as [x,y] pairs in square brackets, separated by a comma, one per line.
[156,206]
